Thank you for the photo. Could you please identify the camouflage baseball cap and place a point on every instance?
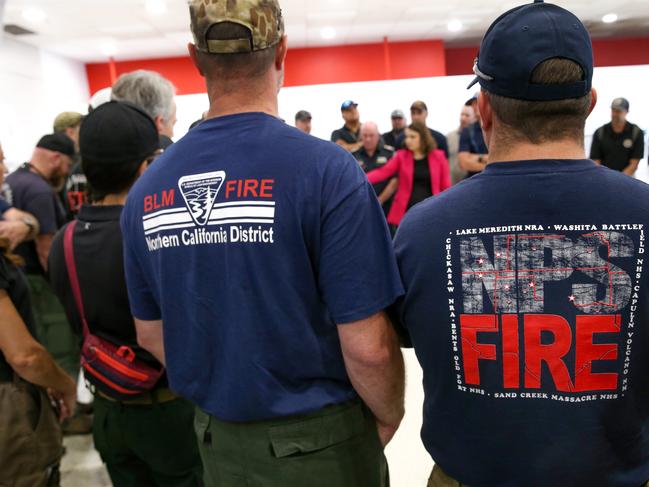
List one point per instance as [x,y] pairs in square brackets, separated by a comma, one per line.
[67,120]
[262,17]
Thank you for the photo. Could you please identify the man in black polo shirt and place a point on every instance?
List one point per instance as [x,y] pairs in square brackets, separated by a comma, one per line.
[619,144]
[372,155]
[348,136]
[419,113]
[398,128]
[147,440]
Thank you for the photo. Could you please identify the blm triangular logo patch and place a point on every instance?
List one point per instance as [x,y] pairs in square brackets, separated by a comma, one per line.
[199,192]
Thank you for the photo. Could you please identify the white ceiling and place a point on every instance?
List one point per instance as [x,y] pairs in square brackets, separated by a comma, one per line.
[90,30]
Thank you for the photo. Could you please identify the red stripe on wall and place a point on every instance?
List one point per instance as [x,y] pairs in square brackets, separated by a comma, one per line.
[319,65]
[363,62]
[607,52]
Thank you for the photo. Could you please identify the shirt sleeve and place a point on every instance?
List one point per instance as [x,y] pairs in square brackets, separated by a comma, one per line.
[43,207]
[335,136]
[595,146]
[442,143]
[143,304]
[4,206]
[357,273]
[465,141]
[638,146]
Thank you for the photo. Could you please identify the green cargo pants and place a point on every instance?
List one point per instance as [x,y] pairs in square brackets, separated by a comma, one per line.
[54,331]
[148,445]
[337,446]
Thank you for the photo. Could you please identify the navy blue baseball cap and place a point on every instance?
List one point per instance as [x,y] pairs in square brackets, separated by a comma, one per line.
[347,104]
[524,37]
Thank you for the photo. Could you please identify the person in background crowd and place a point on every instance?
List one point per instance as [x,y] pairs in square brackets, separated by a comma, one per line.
[297,373]
[422,171]
[33,190]
[419,113]
[373,155]
[30,434]
[99,98]
[147,440]
[348,137]
[303,121]
[467,117]
[526,285]
[74,193]
[618,145]
[15,226]
[69,123]
[155,95]
[198,122]
[473,153]
[398,119]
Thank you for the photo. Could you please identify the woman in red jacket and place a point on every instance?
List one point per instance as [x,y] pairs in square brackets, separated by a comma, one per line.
[422,170]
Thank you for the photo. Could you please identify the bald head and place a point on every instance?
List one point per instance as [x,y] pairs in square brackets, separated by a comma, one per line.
[370,136]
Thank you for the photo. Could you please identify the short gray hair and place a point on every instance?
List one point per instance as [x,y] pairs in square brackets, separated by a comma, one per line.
[148,90]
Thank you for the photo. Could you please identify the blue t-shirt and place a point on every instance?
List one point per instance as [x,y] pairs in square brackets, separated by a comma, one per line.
[251,241]
[4,206]
[528,307]
[472,140]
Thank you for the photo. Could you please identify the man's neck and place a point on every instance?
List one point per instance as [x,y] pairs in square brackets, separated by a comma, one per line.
[112,200]
[36,167]
[353,127]
[566,149]
[254,99]
[371,152]
[618,127]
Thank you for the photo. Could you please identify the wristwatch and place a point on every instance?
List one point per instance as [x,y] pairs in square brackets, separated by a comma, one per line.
[31,224]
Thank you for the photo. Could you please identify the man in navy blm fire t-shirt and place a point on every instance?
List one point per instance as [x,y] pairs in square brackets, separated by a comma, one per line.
[526,297]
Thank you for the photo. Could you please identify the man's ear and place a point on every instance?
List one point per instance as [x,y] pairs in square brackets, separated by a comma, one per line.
[194,55]
[280,56]
[593,100]
[143,167]
[486,113]
[159,123]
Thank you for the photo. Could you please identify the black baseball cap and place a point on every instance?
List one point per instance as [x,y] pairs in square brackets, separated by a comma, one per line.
[524,37]
[303,115]
[620,104]
[347,104]
[118,133]
[57,143]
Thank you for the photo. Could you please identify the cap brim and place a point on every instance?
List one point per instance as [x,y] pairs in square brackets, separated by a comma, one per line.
[473,83]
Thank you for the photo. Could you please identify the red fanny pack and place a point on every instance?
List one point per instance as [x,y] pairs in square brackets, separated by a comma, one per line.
[113,369]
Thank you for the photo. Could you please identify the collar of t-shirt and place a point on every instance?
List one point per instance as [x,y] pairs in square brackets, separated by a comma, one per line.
[627,129]
[539,166]
[100,213]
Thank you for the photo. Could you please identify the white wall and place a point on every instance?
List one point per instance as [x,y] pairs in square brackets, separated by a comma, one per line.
[35,86]
[444,97]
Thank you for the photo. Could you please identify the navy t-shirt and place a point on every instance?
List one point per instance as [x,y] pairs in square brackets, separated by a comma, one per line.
[4,206]
[528,306]
[251,241]
[30,192]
